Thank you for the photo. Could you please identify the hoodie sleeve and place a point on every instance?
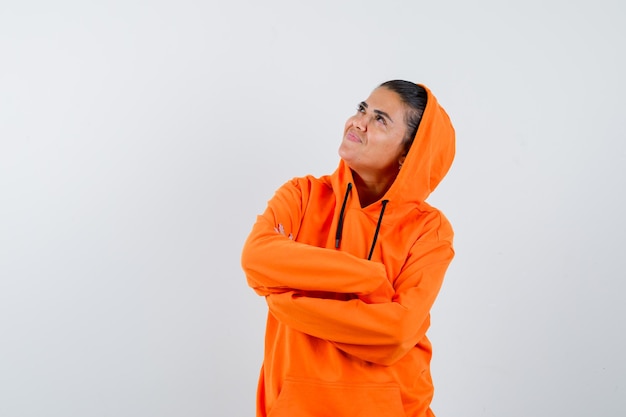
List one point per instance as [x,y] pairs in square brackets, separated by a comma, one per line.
[274,263]
[377,332]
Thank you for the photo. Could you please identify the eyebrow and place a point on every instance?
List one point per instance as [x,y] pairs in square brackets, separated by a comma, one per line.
[380,112]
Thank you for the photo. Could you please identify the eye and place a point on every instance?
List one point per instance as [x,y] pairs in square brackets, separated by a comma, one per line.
[381,119]
[360,108]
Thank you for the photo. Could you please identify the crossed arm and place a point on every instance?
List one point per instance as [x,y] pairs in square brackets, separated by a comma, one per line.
[380,325]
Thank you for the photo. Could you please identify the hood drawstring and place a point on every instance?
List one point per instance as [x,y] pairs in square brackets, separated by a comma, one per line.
[341,216]
[380,220]
[340,223]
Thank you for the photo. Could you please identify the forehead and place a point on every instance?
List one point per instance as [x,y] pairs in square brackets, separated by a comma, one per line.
[386,100]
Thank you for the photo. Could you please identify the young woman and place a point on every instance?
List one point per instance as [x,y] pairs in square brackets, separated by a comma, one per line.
[351,263]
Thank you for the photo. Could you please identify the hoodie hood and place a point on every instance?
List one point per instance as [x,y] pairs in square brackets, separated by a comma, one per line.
[427,161]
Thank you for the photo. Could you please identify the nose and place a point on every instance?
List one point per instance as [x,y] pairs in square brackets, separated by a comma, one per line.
[358,121]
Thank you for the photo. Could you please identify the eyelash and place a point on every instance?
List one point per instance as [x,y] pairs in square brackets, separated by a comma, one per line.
[379,118]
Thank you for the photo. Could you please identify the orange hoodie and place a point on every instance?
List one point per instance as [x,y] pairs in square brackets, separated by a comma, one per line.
[346,335]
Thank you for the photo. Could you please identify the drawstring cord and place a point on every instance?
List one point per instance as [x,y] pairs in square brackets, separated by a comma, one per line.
[380,220]
[339,231]
[340,223]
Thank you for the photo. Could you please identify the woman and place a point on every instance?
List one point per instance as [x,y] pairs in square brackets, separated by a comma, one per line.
[350,265]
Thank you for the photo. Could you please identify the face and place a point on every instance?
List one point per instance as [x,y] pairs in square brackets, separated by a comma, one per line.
[372,138]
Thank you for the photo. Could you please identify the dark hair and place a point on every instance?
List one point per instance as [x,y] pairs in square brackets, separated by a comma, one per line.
[414,97]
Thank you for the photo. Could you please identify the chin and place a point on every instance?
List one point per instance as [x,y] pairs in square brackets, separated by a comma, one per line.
[344,154]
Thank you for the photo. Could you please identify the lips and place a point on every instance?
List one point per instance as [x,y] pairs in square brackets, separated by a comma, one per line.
[352,137]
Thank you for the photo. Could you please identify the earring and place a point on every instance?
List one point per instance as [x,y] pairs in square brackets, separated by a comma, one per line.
[401,161]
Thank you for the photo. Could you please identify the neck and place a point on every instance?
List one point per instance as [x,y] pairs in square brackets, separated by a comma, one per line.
[371,189]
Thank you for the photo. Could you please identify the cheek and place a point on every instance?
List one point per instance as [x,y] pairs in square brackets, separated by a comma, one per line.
[393,149]
[349,122]
[346,125]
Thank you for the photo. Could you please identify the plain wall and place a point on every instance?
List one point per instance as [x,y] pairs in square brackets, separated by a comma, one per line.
[139,140]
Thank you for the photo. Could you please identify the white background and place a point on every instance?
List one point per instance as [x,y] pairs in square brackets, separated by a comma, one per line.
[138,141]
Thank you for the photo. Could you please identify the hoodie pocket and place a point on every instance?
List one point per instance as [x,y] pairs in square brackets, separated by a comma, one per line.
[305,398]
